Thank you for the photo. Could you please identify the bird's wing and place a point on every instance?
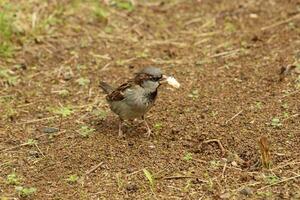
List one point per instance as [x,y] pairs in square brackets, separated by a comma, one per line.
[118,94]
[106,87]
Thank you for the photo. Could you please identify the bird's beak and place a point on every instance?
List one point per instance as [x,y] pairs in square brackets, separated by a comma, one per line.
[163,79]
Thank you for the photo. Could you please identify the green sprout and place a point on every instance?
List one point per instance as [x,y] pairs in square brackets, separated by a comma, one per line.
[158,125]
[7,77]
[188,157]
[194,94]
[101,14]
[85,131]
[12,179]
[25,192]
[101,114]
[72,179]
[276,122]
[271,179]
[64,111]
[149,177]
[125,5]
[83,81]
[6,31]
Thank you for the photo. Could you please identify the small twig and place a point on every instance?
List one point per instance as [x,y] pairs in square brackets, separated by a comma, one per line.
[223,171]
[15,147]
[54,134]
[219,144]
[36,120]
[281,22]
[39,150]
[195,20]
[292,116]
[105,67]
[226,53]
[182,177]
[234,116]
[289,94]
[93,168]
[286,164]
[282,181]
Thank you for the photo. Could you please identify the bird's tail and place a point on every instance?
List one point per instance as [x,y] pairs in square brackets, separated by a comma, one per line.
[106,88]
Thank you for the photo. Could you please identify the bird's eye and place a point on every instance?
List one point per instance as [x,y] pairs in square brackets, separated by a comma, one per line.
[155,79]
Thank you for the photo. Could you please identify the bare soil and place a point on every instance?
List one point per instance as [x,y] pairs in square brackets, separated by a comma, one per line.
[227,55]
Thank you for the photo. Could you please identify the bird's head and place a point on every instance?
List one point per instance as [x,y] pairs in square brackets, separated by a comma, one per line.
[151,78]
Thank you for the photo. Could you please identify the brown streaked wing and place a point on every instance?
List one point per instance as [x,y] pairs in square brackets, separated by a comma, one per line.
[118,94]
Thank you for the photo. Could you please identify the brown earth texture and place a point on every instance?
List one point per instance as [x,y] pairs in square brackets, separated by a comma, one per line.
[231,131]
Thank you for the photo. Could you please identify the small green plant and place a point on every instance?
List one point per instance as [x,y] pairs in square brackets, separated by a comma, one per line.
[101,114]
[285,105]
[215,164]
[8,77]
[8,111]
[210,183]
[120,182]
[188,185]
[271,179]
[188,157]
[125,5]
[214,113]
[83,81]
[63,93]
[25,192]
[149,177]
[6,31]
[108,29]
[72,179]
[158,125]
[85,131]
[194,94]
[31,142]
[142,54]
[258,105]
[101,14]
[12,179]
[286,114]
[276,122]
[230,27]
[64,111]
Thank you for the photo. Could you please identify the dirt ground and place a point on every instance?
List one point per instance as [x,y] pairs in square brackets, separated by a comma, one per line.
[59,140]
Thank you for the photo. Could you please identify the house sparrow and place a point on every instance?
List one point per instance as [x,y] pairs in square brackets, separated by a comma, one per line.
[134,98]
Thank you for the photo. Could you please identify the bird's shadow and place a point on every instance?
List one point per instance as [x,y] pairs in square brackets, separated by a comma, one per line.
[110,126]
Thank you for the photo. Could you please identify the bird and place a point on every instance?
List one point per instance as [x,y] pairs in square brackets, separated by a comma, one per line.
[134,98]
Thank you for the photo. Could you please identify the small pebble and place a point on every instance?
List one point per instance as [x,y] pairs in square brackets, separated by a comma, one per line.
[50,130]
[246,191]
[131,187]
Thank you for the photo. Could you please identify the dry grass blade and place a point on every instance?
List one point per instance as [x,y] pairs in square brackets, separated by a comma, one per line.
[281,22]
[93,168]
[219,144]
[265,152]
[282,181]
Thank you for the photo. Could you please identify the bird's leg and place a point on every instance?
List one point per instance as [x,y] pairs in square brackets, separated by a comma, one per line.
[120,128]
[149,132]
